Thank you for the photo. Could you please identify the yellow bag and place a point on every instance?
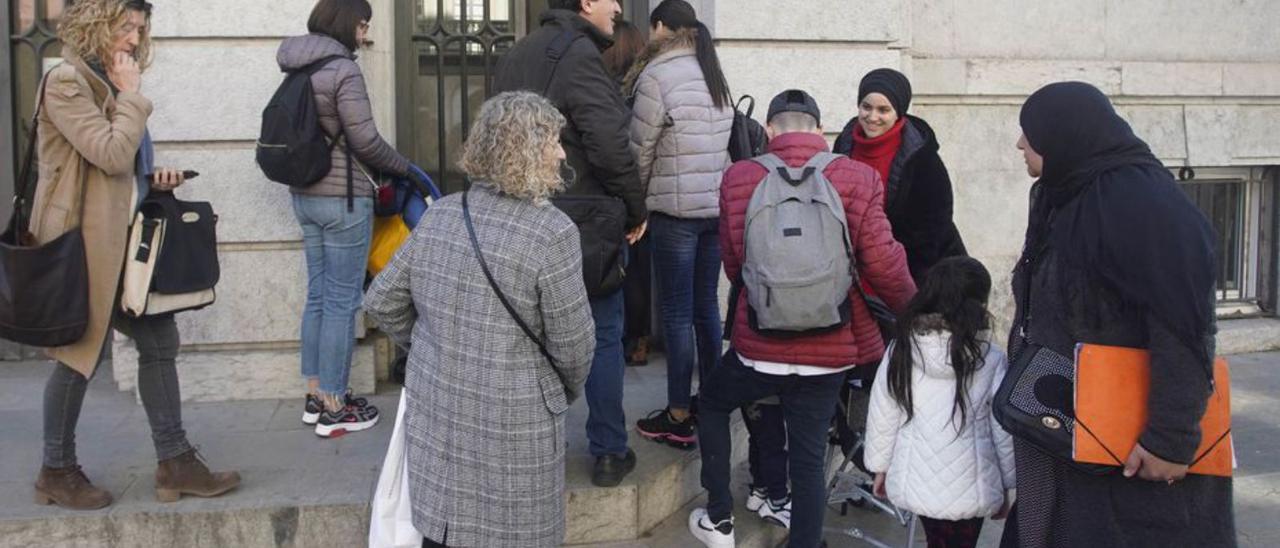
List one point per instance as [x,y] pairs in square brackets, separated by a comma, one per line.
[389,233]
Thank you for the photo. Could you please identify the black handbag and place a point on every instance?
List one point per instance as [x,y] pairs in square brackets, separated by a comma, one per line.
[171,263]
[1036,398]
[601,226]
[44,289]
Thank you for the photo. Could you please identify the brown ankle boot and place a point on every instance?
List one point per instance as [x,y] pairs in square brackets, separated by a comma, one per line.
[186,474]
[69,488]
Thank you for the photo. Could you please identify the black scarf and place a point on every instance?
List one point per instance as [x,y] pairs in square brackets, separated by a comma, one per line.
[1113,211]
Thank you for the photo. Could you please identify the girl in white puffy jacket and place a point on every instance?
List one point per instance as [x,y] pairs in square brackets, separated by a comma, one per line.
[931,440]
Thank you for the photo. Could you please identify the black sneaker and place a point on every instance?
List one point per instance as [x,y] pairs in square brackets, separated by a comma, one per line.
[610,469]
[659,426]
[311,410]
[351,418]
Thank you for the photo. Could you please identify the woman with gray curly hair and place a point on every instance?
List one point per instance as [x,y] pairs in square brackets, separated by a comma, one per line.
[489,292]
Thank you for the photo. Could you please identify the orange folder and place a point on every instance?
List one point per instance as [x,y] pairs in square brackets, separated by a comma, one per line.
[1112,385]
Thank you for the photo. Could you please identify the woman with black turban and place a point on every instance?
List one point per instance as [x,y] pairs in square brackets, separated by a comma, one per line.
[1116,254]
[904,152]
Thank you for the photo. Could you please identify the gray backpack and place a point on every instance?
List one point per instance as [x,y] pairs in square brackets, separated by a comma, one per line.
[798,264]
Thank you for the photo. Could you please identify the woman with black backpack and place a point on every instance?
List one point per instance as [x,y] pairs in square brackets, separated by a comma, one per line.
[335,213]
[683,115]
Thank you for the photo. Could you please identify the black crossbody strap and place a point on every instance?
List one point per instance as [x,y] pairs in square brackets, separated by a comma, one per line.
[502,297]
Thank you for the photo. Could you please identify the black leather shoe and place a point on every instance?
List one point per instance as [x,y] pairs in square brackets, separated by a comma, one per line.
[610,469]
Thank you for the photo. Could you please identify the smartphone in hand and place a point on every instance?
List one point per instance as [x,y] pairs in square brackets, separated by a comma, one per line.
[187,175]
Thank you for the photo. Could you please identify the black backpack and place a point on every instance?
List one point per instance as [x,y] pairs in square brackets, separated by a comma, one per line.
[747,138]
[292,148]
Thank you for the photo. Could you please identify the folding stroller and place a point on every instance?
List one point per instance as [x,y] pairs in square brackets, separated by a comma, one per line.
[850,484]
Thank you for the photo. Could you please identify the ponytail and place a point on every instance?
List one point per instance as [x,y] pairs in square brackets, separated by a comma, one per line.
[710,63]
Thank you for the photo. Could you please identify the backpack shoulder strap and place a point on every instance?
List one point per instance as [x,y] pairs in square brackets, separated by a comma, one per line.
[822,160]
[315,66]
[556,51]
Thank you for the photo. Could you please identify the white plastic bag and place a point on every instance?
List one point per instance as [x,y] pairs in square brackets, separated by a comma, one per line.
[391,519]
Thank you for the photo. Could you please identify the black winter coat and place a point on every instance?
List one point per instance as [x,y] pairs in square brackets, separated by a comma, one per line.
[918,199]
[595,139]
[1067,306]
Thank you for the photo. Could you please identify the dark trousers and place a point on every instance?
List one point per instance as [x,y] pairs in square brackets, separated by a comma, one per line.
[952,534]
[156,338]
[686,261]
[808,404]
[767,448]
[637,290]
[606,421]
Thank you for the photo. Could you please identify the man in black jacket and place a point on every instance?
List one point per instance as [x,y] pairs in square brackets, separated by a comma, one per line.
[562,61]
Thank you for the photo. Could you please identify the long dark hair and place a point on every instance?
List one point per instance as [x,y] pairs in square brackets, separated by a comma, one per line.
[956,289]
[628,42]
[678,14]
[339,18]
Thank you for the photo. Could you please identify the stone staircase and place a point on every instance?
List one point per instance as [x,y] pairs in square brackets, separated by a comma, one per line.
[300,490]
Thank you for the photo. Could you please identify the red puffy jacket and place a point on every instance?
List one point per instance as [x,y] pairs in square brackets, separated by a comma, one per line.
[880,259]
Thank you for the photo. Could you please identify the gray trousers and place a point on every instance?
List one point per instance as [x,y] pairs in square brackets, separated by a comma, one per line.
[157,340]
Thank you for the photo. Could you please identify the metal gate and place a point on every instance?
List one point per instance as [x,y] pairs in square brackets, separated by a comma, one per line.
[446,52]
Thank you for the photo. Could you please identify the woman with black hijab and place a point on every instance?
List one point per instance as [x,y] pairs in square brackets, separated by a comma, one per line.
[904,152]
[1116,254]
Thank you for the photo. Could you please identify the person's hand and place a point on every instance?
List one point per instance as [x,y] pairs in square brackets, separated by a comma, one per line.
[636,233]
[877,488]
[1003,512]
[125,73]
[1152,468]
[167,179]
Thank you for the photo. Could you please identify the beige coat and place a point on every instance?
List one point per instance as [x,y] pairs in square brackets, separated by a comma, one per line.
[88,136]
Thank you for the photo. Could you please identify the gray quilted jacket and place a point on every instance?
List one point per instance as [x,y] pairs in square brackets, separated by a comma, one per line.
[679,137]
[343,102]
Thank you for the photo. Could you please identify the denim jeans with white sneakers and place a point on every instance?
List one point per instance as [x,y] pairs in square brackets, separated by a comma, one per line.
[336,244]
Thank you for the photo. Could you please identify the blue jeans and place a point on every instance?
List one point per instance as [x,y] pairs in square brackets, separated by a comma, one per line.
[606,421]
[686,259]
[337,249]
[808,405]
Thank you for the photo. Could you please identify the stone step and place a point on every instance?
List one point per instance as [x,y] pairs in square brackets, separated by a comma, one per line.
[298,490]
[749,530]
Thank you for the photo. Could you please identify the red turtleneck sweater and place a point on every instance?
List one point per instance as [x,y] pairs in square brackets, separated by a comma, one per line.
[878,152]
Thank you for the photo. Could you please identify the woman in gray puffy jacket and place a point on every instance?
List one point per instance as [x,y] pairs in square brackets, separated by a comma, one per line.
[337,218]
[680,135]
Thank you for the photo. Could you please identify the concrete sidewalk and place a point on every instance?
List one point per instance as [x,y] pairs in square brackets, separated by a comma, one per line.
[316,491]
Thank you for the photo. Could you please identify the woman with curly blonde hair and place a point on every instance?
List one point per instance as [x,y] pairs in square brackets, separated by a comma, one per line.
[96,167]
[491,374]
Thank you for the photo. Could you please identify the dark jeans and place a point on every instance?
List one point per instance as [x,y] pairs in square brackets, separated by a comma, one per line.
[638,291]
[808,404]
[686,260]
[606,422]
[952,534]
[156,338]
[767,447]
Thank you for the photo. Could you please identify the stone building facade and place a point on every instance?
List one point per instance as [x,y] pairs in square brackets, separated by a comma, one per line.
[1200,81]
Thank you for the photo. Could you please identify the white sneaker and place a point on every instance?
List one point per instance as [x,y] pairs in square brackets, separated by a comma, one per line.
[758,497]
[777,514]
[713,535]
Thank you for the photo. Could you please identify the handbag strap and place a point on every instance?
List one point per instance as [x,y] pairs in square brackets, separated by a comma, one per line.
[24,177]
[502,297]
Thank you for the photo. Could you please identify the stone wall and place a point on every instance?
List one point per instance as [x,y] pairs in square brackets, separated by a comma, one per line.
[1200,82]
[214,71]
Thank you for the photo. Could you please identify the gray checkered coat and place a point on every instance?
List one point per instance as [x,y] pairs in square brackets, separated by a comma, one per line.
[485,416]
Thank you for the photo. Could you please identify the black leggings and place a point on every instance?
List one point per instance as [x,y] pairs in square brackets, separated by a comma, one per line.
[952,534]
